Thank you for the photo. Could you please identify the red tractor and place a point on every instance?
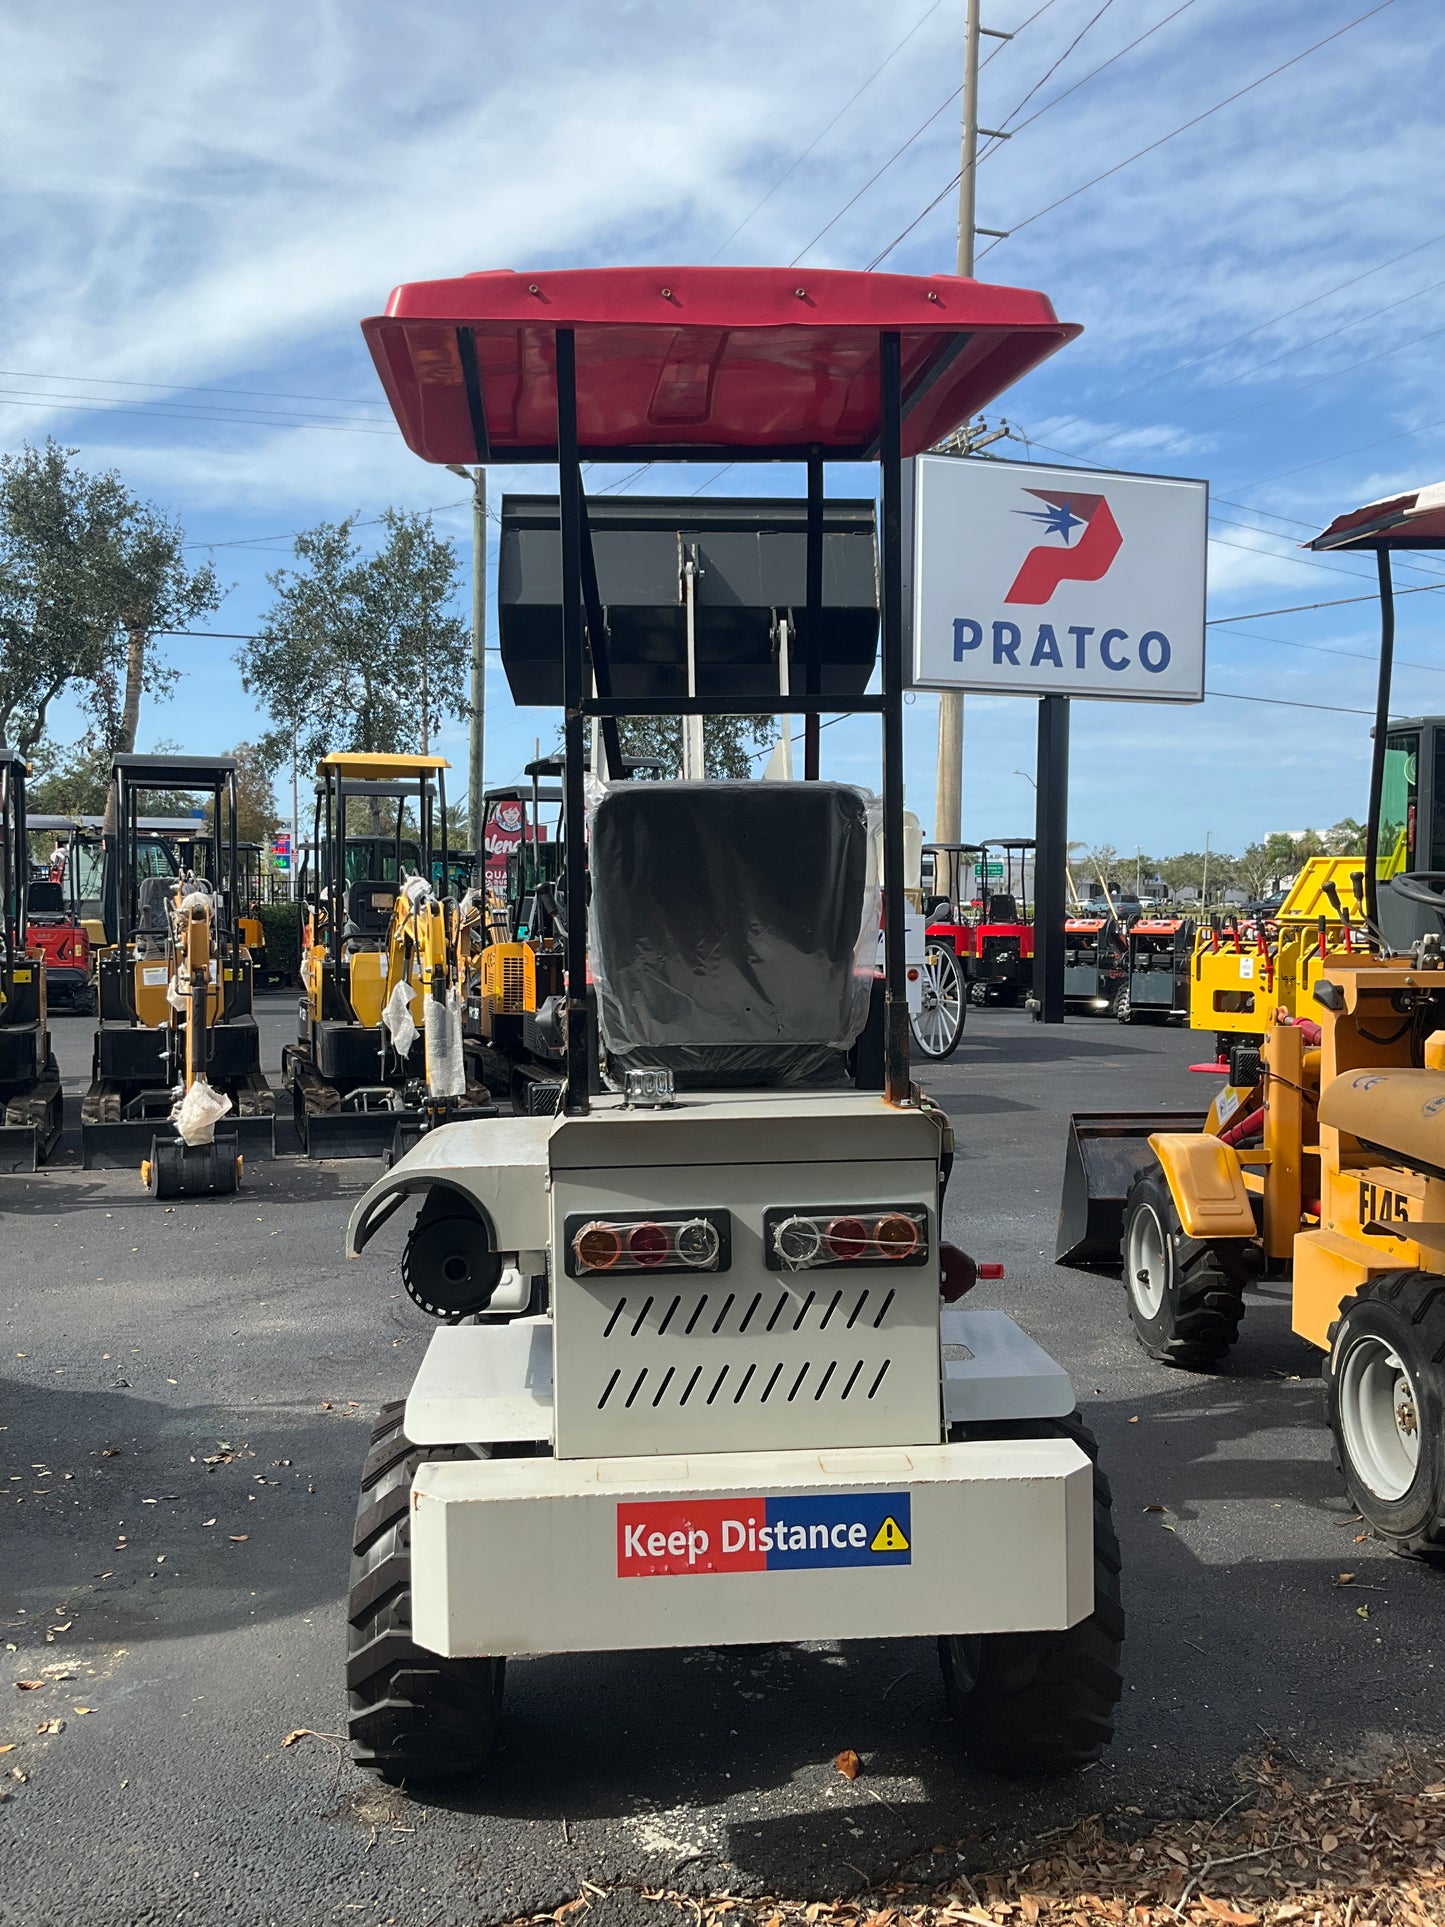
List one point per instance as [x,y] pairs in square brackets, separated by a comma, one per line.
[54,929]
[991,932]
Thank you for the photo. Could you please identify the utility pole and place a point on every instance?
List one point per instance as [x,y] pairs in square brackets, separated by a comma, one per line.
[476,747]
[948,806]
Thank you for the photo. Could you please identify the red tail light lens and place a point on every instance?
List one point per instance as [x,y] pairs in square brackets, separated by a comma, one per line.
[649,1244]
[846,1240]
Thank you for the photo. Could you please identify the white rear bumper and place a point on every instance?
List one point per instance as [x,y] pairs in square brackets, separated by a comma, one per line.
[542,1555]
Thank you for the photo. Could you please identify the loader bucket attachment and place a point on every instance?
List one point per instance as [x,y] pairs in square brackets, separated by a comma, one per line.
[1104,1151]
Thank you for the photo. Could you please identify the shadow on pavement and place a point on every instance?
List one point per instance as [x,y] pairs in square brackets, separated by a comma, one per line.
[122,1544]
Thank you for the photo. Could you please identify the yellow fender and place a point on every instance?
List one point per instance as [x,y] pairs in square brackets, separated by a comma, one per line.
[1206,1184]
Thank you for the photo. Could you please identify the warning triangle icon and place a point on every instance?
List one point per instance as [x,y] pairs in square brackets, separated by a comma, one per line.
[889,1537]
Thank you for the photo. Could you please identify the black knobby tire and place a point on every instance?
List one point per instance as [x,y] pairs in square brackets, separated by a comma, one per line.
[412,1715]
[1392,1337]
[1043,1702]
[1186,1296]
[1123,1005]
[978,995]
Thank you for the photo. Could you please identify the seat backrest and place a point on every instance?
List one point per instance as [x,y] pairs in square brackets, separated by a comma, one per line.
[733,929]
[45,899]
[153,901]
[369,902]
[1002,909]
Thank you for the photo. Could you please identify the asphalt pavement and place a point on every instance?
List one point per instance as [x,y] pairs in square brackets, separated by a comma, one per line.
[185,1396]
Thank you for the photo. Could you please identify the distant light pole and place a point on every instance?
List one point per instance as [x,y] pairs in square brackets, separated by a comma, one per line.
[476,747]
[1204,892]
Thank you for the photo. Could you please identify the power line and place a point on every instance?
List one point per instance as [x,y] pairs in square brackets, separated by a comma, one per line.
[237,419]
[1047,107]
[1338,602]
[1195,121]
[1282,702]
[182,388]
[1047,76]
[286,535]
[1350,655]
[1339,455]
[1288,353]
[826,130]
[923,128]
[1093,73]
[1193,361]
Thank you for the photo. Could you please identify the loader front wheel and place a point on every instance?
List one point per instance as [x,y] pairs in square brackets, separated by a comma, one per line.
[1043,1702]
[412,1715]
[1385,1400]
[1186,1296]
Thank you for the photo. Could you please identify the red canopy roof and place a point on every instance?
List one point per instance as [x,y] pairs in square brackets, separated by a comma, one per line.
[1412,521]
[689,363]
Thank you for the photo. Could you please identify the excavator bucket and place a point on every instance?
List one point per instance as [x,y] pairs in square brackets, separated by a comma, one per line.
[1104,1151]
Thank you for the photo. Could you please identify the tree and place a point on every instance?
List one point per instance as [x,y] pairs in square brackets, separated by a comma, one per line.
[728,742]
[257,818]
[358,652]
[151,587]
[88,573]
[1346,838]
[68,782]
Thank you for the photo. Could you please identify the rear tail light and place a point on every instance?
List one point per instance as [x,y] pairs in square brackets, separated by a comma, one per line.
[672,1241]
[810,1239]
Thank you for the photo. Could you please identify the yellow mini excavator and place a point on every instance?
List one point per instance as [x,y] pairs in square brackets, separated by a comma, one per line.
[1323,1156]
[380,1053]
[177,1087]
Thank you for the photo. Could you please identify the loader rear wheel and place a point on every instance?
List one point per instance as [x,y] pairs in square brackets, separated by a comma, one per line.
[412,1715]
[978,995]
[1123,1005]
[1043,1702]
[1385,1401]
[1186,1297]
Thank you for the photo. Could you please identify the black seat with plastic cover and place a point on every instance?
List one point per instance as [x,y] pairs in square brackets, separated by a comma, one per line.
[1003,909]
[45,898]
[369,903]
[733,930]
[153,900]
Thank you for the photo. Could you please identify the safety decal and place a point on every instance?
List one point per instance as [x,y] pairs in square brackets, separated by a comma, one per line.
[656,1538]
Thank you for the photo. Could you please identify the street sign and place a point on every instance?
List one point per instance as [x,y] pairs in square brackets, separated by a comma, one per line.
[1028,580]
[990,869]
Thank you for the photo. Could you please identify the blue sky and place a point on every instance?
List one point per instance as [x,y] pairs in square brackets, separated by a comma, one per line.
[198,210]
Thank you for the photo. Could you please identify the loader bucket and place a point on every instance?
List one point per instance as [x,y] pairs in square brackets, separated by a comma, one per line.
[1104,1151]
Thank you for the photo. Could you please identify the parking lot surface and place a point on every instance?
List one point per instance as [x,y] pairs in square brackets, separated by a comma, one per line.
[186,1394]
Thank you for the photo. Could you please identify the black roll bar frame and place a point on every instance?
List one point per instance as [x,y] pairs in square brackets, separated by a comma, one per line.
[584,664]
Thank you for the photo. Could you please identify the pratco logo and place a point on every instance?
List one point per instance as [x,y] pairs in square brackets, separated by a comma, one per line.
[1088,559]
[763,1535]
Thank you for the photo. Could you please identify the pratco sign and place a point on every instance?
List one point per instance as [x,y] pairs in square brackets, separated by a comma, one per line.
[657,1538]
[1032,581]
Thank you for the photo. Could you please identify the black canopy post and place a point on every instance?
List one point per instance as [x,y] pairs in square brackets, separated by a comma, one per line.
[1382,732]
[1051,853]
[600,661]
[569,475]
[895,992]
[813,613]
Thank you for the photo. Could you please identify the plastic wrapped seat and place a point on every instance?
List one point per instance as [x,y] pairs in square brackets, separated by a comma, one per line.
[734,928]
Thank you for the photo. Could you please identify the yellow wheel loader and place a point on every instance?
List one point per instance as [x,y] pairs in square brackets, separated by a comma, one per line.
[1323,1156]
[175,994]
[1242,971]
[380,1053]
